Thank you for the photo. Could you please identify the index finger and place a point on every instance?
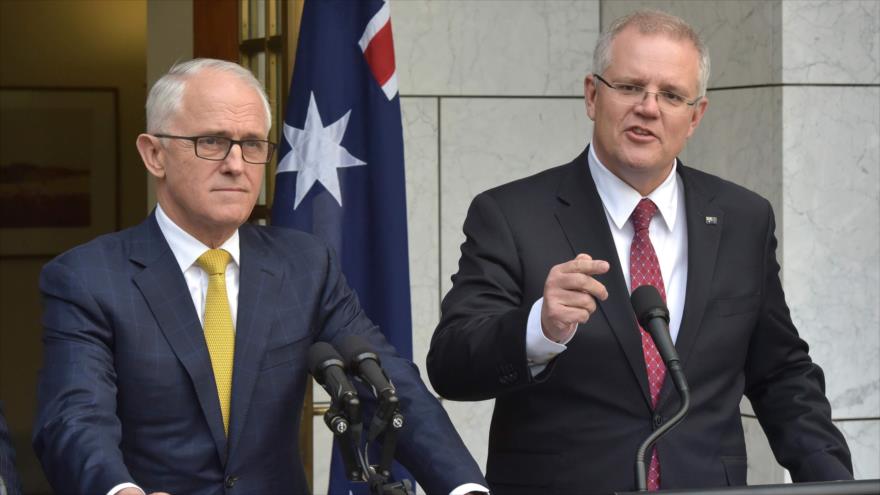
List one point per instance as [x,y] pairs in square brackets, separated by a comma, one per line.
[583,263]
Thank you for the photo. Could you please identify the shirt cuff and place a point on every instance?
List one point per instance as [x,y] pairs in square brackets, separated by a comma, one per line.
[469,487]
[539,349]
[122,486]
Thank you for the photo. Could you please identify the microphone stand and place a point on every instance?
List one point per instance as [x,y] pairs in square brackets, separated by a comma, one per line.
[673,366]
[387,422]
[339,419]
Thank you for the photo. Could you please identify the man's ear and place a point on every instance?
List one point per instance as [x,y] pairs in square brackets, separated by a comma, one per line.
[151,150]
[697,117]
[590,95]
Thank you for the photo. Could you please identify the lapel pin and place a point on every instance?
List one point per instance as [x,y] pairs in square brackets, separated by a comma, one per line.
[711,220]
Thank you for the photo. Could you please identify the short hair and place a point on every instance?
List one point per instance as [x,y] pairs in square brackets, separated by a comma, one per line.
[650,22]
[166,95]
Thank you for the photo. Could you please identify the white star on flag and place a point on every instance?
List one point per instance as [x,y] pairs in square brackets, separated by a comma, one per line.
[315,153]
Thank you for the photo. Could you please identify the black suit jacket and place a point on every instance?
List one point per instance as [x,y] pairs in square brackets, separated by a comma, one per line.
[575,427]
[127,391]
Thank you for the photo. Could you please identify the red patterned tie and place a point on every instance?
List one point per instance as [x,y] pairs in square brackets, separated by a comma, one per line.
[644,269]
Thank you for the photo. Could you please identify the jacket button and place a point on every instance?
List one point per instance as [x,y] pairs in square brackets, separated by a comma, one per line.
[230,481]
[658,420]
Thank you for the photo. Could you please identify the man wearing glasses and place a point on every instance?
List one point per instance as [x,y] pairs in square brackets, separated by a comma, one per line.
[539,315]
[176,351]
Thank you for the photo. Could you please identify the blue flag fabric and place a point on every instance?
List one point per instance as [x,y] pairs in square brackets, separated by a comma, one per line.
[341,173]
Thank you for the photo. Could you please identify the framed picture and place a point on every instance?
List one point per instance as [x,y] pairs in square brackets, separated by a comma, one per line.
[58,168]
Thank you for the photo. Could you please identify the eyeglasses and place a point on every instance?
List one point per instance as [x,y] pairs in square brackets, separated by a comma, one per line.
[632,94]
[216,148]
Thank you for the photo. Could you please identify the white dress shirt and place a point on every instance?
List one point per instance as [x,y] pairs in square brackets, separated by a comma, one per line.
[668,233]
[187,249]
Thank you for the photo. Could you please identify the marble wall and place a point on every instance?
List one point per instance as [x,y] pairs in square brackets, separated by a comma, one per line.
[492,91]
[831,201]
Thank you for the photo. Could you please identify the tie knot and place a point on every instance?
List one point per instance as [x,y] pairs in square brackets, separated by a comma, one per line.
[642,215]
[214,261]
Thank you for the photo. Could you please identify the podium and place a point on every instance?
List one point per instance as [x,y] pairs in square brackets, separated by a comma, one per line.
[861,487]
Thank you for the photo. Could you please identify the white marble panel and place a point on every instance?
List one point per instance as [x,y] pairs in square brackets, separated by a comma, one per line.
[487,142]
[494,46]
[742,36]
[829,41]
[831,150]
[863,438]
[420,138]
[472,420]
[763,469]
[739,139]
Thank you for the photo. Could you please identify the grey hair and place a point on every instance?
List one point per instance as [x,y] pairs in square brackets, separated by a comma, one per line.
[650,22]
[166,95]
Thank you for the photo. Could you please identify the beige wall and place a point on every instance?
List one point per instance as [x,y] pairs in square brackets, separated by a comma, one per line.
[84,43]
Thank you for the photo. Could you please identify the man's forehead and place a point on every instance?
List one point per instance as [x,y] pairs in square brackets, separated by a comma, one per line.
[638,33]
[223,94]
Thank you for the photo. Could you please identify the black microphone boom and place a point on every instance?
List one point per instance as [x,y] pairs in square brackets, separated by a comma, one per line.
[654,318]
[343,415]
[387,420]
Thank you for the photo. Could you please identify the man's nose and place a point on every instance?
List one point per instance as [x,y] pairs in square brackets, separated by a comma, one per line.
[650,103]
[234,162]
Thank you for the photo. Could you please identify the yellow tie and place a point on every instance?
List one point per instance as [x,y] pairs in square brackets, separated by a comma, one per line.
[219,333]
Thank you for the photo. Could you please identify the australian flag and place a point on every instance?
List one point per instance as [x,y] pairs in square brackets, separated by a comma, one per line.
[340,171]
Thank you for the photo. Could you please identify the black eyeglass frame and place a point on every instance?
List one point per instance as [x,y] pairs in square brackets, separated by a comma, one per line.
[685,100]
[195,141]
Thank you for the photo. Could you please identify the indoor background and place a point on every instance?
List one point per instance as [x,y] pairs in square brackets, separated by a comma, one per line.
[491,90]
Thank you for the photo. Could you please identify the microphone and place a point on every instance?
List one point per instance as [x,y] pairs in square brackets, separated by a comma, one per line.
[343,415]
[653,316]
[328,368]
[387,419]
[365,363]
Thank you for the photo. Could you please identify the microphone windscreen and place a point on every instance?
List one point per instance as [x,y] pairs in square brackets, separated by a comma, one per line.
[320,353]
[353,347]
[647,303]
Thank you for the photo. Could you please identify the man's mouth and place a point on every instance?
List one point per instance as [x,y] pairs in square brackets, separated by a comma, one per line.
[641,131]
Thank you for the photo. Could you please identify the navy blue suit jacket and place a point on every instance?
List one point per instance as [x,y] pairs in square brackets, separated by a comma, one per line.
[127,391]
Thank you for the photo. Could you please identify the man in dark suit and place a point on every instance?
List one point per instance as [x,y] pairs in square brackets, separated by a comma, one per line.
[164,370]
[9,483]
[539,316]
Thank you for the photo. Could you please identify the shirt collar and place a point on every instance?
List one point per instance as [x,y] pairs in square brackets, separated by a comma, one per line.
[185,247]
[620,199]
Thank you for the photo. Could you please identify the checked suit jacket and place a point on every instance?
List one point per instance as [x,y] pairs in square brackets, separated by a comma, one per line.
[127,393]
[575,427]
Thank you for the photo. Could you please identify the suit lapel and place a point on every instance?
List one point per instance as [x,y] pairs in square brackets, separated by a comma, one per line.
[164,289]
[704,236]
[582,218]
[258,296]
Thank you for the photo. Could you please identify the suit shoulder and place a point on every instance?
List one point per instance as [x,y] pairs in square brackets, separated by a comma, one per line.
[726,193]
[529,188]
[287,240]
[103,250]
